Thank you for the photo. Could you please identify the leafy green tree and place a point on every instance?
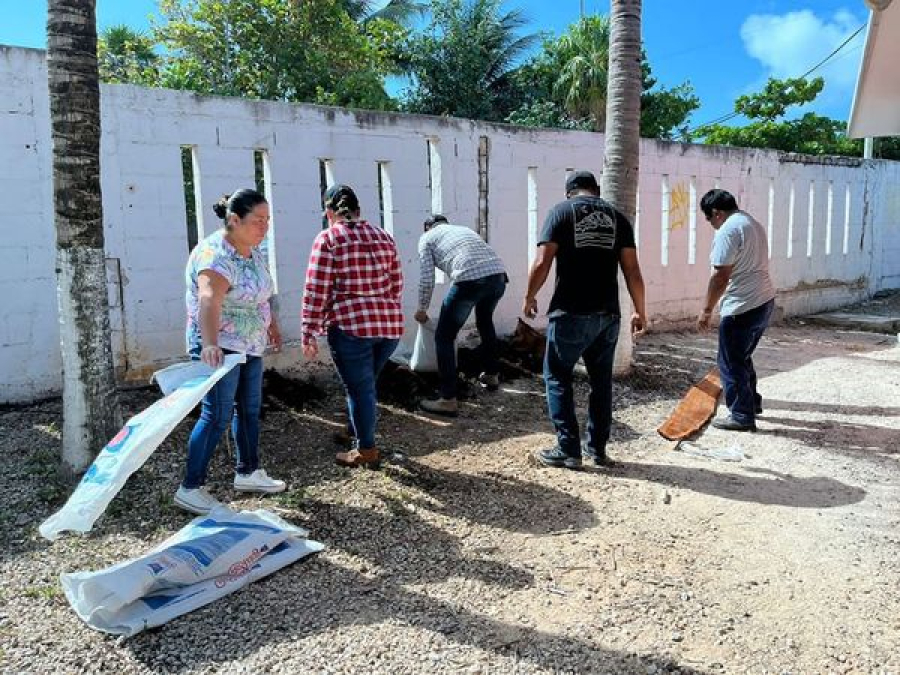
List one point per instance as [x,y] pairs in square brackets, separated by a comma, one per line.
[810,133]
[462,63]
[565,86]
[546,114]
[398,11]
[665,112]
[127,56]
[287,50]
[583,53]
[777,96]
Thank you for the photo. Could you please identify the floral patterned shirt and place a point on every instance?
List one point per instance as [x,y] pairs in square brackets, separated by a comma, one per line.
[245,318]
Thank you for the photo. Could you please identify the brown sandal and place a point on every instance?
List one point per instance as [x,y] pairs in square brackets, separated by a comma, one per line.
[368,458]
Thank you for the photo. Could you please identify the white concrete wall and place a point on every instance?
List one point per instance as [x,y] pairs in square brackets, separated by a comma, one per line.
[146,234]
[30,361]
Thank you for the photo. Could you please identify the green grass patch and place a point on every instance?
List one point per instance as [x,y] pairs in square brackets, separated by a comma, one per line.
[43,592]
[43,463]
[292,499]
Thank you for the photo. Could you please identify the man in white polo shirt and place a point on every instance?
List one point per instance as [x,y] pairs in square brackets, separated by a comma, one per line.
[740,278]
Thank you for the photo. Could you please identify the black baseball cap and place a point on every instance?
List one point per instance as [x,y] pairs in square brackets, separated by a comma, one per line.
[581,180]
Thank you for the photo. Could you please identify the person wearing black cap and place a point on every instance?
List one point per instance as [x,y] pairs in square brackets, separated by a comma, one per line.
[354,286]
[590,240]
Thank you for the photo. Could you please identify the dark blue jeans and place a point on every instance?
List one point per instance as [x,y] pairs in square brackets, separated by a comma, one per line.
[738,336]
[235,399]
[359,360]
[570,337]
[482,295]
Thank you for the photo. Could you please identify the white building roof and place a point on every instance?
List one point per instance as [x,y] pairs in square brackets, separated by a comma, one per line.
[876,104]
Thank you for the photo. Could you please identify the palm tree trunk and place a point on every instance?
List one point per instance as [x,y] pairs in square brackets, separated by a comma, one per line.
[623,107]
[623,132]
[90,400]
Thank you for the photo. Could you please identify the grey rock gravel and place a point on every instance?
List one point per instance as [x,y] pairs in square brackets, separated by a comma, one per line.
[464,557]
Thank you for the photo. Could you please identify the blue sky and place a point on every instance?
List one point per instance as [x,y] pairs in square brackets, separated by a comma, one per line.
[724,49]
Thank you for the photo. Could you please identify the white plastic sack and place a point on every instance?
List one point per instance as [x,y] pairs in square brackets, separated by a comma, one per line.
[424,354]
[731,453]
[169,379]
[133,445]
[212,556]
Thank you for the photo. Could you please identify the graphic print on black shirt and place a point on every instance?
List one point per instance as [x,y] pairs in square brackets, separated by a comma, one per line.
[593,228]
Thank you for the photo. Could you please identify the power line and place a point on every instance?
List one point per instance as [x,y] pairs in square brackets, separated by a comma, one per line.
[836,50]
[821,63]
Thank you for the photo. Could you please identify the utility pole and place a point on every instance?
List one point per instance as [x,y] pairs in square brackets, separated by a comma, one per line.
[581,8]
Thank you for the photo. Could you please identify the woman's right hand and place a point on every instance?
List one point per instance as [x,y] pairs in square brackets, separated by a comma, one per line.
[212,356]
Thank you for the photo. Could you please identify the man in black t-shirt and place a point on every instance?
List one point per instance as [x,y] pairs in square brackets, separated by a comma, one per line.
[590,240]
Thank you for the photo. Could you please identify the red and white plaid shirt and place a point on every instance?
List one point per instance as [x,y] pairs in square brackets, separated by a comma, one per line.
[353,281]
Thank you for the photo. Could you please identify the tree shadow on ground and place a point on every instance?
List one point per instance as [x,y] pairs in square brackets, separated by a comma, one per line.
[861,440]
[30,482]
[496,500]
[295,445]
[674,360]
[392,554]
[829,408]
[772,488]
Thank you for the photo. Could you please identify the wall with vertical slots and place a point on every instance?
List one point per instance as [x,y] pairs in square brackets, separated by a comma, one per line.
[833,224]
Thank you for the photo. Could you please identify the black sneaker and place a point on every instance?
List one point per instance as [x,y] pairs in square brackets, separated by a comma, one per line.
[731,424]
[557,459]
[490,381]
[757,409]
[596,458]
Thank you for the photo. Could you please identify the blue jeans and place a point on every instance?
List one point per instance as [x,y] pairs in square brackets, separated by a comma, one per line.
[359,360]
[738,336]
[570,337]
[235,399]
[482,295]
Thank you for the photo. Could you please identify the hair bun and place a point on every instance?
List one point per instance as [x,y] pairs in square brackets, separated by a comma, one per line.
[220,208]
[342,200]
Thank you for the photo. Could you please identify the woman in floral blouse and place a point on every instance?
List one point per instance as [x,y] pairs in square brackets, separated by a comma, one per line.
[228,291]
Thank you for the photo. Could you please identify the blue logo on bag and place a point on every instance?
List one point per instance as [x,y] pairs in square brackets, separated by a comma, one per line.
[95,475]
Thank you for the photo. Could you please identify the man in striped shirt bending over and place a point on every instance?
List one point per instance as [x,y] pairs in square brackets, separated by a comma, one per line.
[479,281]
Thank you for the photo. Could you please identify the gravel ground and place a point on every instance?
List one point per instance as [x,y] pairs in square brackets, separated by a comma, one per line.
[467,557]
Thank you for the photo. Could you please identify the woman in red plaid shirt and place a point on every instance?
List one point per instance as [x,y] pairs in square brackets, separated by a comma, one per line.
[353,290]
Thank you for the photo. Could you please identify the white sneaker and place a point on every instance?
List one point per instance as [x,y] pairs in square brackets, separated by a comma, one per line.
[196,500]
[441,406]
[258,481]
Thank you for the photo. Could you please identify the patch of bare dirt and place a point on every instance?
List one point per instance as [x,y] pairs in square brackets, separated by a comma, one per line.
[468,557]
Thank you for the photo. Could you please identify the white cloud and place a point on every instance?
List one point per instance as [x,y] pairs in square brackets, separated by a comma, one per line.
[789,44]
